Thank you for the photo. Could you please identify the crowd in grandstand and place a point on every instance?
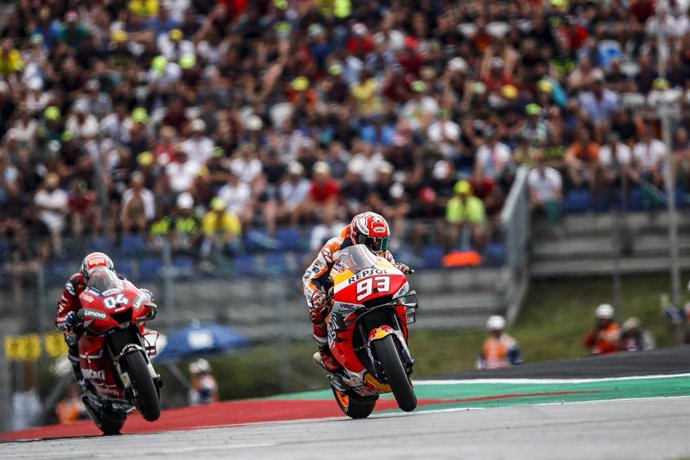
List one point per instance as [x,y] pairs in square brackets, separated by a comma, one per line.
[192,121]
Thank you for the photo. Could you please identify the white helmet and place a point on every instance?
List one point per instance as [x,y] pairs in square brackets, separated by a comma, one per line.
[199,366]
[495,323]
[604,311]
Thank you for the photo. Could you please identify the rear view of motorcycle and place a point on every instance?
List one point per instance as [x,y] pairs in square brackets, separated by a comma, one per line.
[115,352]
[372,306]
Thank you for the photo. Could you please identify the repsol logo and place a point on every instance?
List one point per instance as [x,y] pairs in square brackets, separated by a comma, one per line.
[93,375]
[94,314]
[363,273]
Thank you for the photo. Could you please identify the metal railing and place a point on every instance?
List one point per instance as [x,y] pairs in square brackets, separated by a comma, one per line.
[515,224]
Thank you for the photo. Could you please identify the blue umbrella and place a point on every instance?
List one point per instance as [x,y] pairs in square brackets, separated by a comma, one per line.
[201,339]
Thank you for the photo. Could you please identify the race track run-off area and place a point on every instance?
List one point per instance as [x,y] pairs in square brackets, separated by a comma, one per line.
[643,416]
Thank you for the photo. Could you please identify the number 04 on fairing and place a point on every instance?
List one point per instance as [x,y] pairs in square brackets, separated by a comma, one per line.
[372,306]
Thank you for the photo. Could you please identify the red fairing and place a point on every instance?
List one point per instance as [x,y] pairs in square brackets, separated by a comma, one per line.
[97,367]
[356,293]
[103,312]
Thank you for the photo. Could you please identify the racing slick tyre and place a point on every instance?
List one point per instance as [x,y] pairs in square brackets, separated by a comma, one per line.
[354,405]
[387,353]
[147,402]
[109,422]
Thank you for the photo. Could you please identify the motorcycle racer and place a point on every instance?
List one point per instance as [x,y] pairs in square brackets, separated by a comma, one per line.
[68,319]
[367,228]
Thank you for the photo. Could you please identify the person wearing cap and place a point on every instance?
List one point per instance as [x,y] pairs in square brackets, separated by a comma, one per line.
[465,212]
[182,171]
[74,33]
[500,350]
[605,336]
[199,147]
[535,130]
[335,90]
[422,109]
[204,388]
[634,337]
[138,205]
[173,45]
[186,227]
[144,8]
[51,202]
[221,229]
[80,122]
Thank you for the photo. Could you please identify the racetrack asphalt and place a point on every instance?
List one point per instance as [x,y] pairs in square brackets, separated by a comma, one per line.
[630,429]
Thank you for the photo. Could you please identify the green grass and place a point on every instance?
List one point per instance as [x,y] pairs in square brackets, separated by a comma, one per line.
[555,317]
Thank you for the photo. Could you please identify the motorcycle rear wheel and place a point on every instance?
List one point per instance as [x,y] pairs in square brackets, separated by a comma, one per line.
[354,405]
[147,400]
[388,355]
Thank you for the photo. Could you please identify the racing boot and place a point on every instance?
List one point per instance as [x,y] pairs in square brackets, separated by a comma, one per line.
[73,356]
[325,358]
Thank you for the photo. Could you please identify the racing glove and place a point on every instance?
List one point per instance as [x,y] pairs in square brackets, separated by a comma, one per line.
[403,268]
[72,320]
[318,307]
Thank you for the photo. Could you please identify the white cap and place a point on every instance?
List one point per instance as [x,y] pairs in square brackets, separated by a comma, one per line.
[295,167]
[441,170]
[254,123]
[457,64]
[321,167]
[198,125]
[495,323]
[185,201]
[385,168]
[200,365]
[604,311]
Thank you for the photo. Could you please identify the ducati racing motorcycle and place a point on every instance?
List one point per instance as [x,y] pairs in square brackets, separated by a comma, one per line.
[371,307]
[115,351]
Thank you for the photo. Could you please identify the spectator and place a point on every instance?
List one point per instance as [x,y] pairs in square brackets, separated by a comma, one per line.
[634,337]
[204,389]
[466,215]
[615,159]
[83,212]
[598,105]
[546,193]
[51,202]
[649,155]
[182,172]
[221,229]
[186,228]
[293,191]
[330,225]
[582,161]
[237,196]
[138,205]
[199,148]
[606,335]
[71,409]
[500,350]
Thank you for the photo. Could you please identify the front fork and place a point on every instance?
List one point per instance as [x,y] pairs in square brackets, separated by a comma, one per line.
[382,332]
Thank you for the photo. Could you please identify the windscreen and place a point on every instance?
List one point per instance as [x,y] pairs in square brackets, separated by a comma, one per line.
[103,280]
[356,258]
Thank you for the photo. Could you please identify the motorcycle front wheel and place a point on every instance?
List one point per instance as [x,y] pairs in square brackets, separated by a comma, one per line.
[354,405]
[388,355]
[147,402]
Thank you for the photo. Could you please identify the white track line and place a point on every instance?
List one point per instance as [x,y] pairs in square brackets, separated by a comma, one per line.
[518,380]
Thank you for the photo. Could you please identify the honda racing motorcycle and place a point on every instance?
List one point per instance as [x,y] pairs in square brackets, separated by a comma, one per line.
[372,305]
[115,351]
